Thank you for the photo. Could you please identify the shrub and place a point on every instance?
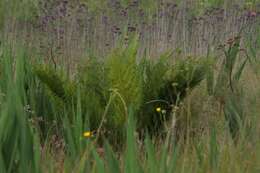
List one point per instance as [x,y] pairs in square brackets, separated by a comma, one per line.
[108,88]
[167,86]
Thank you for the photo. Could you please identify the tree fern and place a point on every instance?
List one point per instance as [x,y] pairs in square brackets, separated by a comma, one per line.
[61,87]
[94,90]
[185,74]
[124,76]
[153,81]
[166,85]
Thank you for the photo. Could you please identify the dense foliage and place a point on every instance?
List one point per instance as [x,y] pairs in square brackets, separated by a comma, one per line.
[129,86]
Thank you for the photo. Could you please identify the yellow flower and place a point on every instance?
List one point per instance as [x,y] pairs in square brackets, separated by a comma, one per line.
[87,134]
[158,109]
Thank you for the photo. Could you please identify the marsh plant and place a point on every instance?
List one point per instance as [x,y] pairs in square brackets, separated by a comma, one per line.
[107,88]
[129,86]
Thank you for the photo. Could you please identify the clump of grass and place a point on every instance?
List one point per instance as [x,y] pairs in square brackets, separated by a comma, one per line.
[19,142]
[227,88]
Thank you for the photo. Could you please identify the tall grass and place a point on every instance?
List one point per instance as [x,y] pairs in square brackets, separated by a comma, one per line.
[42,127]
[19,141]
[60,30]
[137,108]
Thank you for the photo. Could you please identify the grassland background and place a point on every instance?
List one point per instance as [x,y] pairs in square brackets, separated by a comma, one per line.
[49,48]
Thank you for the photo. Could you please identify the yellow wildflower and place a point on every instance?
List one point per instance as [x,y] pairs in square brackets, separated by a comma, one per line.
[87,134]
[158,109]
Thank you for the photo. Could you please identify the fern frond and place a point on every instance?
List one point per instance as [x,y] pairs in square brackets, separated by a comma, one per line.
[124,75]
[185,74]
[60,87]
[94,90]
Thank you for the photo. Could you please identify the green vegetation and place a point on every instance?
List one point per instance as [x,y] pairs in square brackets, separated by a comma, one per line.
[77,97]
